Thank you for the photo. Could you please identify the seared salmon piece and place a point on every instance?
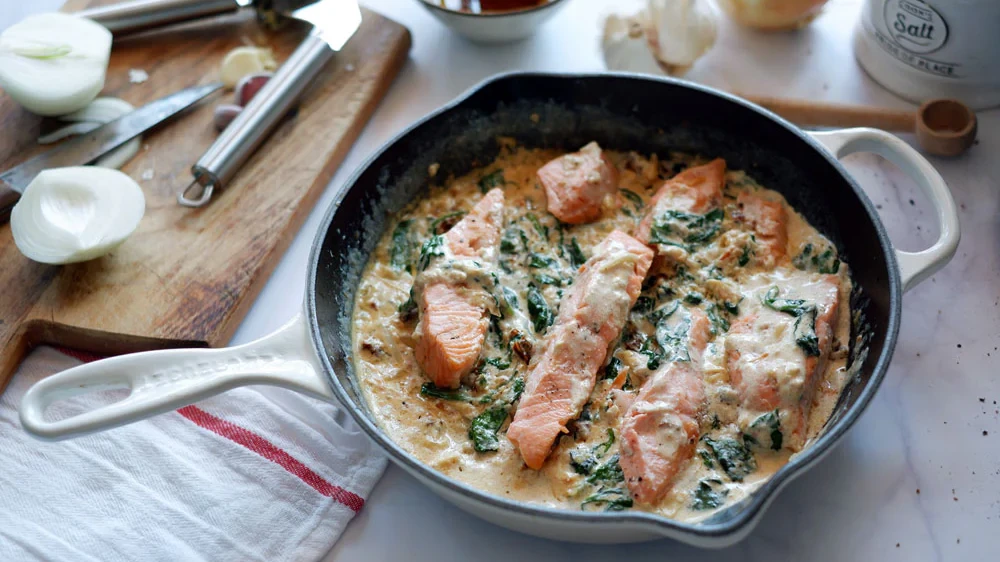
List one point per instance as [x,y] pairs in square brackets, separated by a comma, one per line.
[769,222]
[576,184]
[767,367]
[590,318]
[452,332]
[696,190]
[660,429]
[477,234]
[452,326]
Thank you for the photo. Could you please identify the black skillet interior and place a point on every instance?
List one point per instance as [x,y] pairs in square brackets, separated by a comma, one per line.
[621,112]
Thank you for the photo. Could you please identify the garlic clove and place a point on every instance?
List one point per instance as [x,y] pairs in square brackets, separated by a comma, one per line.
[74,214]
[668,36]
[625,46]
[54,63]
[242,61]
[681,32]
[224,115]
[249,85]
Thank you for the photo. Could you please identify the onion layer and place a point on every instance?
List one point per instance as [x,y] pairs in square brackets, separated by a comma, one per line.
[74,214]
[99,112]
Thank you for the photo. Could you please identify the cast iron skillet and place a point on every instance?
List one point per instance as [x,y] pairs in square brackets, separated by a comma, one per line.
[313,353]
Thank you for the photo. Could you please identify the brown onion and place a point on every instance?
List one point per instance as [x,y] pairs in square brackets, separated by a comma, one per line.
[772,15]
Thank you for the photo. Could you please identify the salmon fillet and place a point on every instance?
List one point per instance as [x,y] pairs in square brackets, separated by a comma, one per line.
[452,326]
[589,319]
[660,428]
[770,371]
[769,222]
[696,190]
[477,234]
[576,184]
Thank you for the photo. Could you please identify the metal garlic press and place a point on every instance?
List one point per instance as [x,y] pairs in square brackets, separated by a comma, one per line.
[333,21]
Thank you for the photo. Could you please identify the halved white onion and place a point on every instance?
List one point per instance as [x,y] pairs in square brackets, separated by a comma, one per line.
[54,63]
[74,214]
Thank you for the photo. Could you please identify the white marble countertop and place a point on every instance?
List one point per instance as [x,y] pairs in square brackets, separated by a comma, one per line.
[918,477]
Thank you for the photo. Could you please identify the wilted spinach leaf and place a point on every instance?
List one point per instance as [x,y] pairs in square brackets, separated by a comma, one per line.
[805,319]
[428,389]
[399,254]
[708,497]
[576,257]
[539,311]
[491,180]
[824,262]
[613,499]
[769,423]
[432,247]
[484,427]
[734,457]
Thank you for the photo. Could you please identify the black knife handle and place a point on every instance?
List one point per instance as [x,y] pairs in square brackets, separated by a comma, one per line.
[8,197]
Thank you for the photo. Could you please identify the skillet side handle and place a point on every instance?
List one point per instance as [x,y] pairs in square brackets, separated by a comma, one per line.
[162,381]
[914,267]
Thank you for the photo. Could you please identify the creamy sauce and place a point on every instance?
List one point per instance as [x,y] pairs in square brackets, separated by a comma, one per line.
[536,249]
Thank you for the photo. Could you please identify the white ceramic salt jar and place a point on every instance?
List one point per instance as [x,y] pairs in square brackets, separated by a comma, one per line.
[933,49]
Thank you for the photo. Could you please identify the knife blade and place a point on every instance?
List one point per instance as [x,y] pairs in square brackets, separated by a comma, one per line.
[90,146]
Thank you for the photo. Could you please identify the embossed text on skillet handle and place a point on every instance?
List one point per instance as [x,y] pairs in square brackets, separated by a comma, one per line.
[162,381]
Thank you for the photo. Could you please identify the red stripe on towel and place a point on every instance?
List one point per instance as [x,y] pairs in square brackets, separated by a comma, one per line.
[273,453]
[255,443]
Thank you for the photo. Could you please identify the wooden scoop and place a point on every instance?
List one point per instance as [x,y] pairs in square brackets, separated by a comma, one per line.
[944,127]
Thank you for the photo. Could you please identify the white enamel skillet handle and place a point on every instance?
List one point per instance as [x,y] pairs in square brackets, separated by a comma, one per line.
[162,381]
[914,267]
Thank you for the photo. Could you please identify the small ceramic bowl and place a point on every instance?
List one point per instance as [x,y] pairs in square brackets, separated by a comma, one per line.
[499,26]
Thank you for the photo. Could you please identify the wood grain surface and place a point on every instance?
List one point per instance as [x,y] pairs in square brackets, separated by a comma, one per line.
[188,276]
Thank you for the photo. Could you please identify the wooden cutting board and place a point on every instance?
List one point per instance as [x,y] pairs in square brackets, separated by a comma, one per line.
[188,276]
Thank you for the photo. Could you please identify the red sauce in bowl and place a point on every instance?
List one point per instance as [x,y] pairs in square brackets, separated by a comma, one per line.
[486,6]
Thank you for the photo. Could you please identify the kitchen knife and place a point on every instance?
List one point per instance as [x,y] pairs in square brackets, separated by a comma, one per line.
[90,146]
[334,22]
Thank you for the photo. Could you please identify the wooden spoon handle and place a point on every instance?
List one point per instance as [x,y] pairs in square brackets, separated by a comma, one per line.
[803,112]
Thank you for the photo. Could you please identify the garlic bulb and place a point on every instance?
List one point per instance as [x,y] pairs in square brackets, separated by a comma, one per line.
[670,34]
[74,214]
[54,63]
[242,61]
[99,112]
[625,46]
[772,15]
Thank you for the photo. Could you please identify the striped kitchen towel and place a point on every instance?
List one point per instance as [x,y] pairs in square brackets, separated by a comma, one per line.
[257,473]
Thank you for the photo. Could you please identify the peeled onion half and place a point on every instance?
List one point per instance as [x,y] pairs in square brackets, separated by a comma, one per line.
[74,214]
[773,15]
[54,63]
